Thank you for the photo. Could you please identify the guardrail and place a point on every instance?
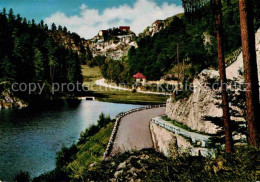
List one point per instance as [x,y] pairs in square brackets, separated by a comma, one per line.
[195,137]
[118,119]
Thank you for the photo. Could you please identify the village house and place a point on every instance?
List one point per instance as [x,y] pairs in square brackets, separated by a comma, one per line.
[140,78]
[125,28]
[103,33]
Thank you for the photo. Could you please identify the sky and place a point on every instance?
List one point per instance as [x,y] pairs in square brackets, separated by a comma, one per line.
[87,17]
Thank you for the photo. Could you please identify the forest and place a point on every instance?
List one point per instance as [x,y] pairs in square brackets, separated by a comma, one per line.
[156,56]
[29,54]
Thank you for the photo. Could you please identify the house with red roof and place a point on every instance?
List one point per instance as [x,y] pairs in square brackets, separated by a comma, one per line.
[125,28]
[140,78]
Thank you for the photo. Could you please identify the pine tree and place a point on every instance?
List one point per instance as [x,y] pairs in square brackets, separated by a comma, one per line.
[250,68]
[192,8]
[7,70]
[38,64]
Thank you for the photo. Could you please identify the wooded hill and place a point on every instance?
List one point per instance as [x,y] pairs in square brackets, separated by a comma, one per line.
[156,56]
[33,53]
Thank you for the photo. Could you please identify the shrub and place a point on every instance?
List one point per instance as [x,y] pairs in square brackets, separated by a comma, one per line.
[22,176]
[66,155]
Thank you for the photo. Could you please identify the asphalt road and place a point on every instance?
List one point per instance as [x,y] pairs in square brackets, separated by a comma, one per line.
[134,132]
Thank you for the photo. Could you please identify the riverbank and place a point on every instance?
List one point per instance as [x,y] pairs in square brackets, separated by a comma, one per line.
[72,162]
[106,94]
[83,162]
[46,129]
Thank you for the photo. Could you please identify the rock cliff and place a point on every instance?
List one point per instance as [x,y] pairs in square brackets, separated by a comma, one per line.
[190,111]
[115,48]
[70,41]
[8,100]
[202,102]
[158,25]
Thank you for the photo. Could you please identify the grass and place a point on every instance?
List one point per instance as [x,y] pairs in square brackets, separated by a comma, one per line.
[90,151]
[147,165]
[177,124]
[183,126]
[232,57]
[90,75]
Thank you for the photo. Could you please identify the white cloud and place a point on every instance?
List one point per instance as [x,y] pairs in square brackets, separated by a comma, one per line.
[142,14]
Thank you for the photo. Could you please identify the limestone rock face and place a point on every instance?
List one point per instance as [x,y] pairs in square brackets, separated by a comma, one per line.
[7,100]
[238,66]
[113,49]
[191,111]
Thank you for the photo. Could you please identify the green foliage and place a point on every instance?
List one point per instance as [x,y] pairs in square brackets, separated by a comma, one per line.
[29,53]
[22,176]
[60,173]
[103,120]
[93,129]
[65,156]
[148,165]
[156,56]
[72,162]
[96,61]
[112,70]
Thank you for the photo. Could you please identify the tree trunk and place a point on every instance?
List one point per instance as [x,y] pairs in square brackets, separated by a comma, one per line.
[222,73]
[183,69]
[250,71]
[178,61]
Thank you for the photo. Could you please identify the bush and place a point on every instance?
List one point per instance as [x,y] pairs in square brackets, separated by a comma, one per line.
[93,129]
[22,176]
[149,165]
[103,120]
[65,156]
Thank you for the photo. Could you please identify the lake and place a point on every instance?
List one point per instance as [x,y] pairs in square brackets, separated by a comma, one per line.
[30,137]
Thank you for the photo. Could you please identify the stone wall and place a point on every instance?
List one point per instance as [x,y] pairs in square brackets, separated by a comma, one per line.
[173,145]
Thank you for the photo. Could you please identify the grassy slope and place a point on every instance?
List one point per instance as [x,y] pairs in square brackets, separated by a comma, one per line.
[90,75]
[148,165]
[90,151]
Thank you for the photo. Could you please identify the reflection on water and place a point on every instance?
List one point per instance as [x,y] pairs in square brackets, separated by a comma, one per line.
[30,138]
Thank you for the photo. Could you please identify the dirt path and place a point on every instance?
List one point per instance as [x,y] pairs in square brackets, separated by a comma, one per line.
[134,132]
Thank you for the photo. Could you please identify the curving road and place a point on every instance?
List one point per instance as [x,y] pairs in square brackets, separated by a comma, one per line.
[134,132]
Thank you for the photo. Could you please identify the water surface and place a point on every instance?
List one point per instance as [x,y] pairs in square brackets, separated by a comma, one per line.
[30,137]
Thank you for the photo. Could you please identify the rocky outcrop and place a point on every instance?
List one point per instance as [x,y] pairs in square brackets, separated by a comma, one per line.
[70,41]
[191,111]
[202,102]
[234,70]
[8,100]
[116,48]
